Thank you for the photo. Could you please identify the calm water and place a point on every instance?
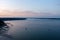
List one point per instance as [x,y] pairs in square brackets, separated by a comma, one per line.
[35,29]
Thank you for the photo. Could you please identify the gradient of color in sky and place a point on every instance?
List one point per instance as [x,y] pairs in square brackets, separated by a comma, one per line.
[30,8]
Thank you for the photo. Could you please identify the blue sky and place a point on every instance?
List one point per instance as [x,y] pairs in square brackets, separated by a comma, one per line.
[31,5]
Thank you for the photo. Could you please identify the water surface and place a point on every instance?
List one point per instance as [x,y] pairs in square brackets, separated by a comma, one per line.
[35,29]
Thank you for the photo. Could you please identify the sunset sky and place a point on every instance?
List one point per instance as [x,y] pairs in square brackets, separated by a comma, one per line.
[30,8]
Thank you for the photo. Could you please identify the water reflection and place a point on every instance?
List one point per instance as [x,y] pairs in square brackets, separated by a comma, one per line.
[4,27]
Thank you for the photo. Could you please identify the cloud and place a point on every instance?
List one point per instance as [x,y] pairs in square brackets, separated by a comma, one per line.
[28,13]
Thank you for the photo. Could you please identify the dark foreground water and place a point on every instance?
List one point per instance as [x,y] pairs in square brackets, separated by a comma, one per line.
[35,29]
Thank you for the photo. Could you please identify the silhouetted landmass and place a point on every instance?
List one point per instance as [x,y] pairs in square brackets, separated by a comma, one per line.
[48,18]
[7,19]
[2,24]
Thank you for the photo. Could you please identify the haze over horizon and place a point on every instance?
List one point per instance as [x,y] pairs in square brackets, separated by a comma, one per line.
[30,8]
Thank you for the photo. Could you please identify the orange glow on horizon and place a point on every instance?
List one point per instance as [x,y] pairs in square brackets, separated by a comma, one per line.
[11,13]
[22,13]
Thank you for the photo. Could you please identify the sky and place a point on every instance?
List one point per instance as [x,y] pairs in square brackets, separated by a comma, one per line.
[30,8]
